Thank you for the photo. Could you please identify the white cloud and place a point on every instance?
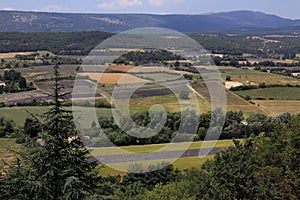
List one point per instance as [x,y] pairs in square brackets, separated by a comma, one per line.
[8,8]
[53,8]
[157,2]
[118,4]
[164,2]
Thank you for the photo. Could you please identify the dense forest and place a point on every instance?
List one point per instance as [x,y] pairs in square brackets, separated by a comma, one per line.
[150,56]
[60,43]
[81,43]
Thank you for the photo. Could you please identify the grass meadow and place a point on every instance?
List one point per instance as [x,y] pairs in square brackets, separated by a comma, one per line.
[275,93]
[19,114]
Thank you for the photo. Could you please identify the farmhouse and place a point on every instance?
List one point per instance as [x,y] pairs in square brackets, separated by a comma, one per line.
[2,83]
[296,74]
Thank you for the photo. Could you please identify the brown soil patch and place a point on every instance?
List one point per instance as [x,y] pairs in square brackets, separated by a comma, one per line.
[114,78]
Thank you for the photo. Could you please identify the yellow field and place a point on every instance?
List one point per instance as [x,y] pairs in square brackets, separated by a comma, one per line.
[181,163]
[12,54]
[114,78]
[278,107]
[123,68]
[139,149]
[276,79]
[288,61]
[233,102]
[140,69]
[169,102]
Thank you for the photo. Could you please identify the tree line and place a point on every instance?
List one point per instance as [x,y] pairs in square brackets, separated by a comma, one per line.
[13,81]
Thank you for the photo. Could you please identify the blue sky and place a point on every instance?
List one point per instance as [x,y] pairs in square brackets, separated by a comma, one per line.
[286,8]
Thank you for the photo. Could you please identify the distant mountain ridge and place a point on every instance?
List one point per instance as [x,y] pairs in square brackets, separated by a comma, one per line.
[21,21]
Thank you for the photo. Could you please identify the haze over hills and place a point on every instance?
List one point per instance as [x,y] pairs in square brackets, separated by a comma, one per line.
[20,21]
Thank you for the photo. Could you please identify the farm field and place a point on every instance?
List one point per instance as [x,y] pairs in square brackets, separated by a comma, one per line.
[159,77]
[139,149]
[236,103]
[181,163]
[114,78]
[256,77]
[12,54]
[44,72]
[139,69]
[170,102]
[123,68]
[253,60]
[233,101]
[278,107]
[276,93]
[150,69]
[19,114]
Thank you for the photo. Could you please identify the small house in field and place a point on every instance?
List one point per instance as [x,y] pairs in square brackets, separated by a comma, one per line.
[297,74]
[2,84]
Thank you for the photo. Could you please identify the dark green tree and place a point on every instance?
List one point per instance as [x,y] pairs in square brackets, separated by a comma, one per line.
[57,167]
[184,94]
[7,126]
[22,83]
[32,127]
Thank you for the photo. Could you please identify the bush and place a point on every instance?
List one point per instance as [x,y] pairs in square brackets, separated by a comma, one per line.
[262,85]
[184,94]
[248,98]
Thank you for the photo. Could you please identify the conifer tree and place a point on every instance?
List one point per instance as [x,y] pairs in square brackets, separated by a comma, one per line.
[56,167]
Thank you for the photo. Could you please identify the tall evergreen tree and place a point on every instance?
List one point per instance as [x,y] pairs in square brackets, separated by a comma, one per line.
[56,167]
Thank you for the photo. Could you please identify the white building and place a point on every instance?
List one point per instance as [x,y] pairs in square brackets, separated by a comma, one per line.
[2,83]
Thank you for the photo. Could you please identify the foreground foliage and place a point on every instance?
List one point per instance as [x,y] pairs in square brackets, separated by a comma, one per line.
[265,167]
[54,167]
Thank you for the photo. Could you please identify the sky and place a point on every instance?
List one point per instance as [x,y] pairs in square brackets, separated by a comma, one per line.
[286,8]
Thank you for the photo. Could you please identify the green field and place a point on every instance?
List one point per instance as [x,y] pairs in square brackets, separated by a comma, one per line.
[169,102]
[19,114]
[276,93]
[110,151]
[248,73]
[6,156]
[233,101]
[277,107]
[159,77]
[181,163]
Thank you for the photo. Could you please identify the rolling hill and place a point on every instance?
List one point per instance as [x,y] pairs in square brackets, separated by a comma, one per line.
[21,21]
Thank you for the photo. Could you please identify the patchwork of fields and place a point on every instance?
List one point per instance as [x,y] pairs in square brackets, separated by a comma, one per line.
[114,78]
[144,98]
[255,77]
[269,101]
[181,163]
[275,93]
